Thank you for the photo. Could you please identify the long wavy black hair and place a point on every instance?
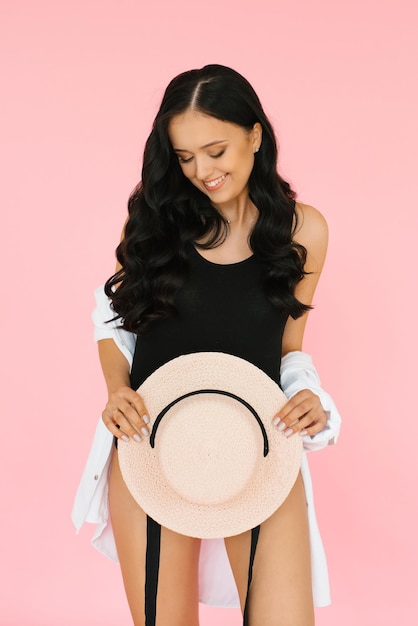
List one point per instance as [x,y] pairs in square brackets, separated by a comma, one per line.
[167,212]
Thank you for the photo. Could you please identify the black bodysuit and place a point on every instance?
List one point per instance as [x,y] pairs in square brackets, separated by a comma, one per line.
[221,308]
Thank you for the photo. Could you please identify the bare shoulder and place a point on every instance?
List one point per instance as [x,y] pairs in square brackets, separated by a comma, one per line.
[311,227]
[312,233]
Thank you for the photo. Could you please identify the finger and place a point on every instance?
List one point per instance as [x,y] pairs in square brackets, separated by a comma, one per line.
[126,410]
[315,427]
[303,398]
[126,394]
[299,420]
[297,410]
[131,412]
[138,403]
[302,426]
[111,424]
[132,424]
[300,416]
[126,398]
[300,405]
[297,426]
[122,428]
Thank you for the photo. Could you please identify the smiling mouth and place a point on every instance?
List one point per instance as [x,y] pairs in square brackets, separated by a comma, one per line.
[211,185]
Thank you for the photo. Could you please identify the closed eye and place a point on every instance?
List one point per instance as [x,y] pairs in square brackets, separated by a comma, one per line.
[212,156]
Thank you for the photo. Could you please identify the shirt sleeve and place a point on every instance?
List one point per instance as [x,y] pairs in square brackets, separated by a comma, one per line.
[105,329]
[298,372]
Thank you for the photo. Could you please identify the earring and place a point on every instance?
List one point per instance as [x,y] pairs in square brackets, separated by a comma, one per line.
[256,150]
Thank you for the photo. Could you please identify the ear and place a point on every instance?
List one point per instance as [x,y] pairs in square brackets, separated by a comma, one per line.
[256,136]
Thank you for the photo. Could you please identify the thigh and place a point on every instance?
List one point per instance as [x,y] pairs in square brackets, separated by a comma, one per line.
[281,588]
[177,597]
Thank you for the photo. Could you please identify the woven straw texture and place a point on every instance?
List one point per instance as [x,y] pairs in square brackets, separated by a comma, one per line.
[207,476]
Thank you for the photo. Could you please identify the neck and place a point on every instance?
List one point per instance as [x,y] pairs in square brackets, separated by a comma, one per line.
[239,215]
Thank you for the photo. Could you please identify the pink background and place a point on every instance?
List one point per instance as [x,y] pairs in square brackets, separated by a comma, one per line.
[81,81]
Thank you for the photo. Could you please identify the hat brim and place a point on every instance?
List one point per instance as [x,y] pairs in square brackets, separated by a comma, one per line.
[273,479]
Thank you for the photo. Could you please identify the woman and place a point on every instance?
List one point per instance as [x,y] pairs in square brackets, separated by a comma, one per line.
[216,255]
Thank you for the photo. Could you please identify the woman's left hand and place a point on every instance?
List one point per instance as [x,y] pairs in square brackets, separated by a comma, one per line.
[302,414]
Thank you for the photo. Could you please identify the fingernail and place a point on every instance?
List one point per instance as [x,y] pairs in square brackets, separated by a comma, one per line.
[137,437]
[281,427]
[145,431]
[276,421]
[145,419]
[303,433]
[125,438]
[288,432]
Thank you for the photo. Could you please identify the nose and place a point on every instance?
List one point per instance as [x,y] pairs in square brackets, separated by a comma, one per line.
[204,168]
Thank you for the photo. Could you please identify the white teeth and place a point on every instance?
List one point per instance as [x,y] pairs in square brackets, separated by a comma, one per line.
[213,183]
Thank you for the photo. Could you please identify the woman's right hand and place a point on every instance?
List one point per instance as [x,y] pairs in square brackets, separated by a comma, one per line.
[125,415]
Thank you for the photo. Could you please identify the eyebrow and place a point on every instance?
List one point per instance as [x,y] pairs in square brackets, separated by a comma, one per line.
[208,145]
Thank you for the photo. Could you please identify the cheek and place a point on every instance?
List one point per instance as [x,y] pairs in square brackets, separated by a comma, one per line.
[245,163]
[189,173]
[239,165]
[186,170]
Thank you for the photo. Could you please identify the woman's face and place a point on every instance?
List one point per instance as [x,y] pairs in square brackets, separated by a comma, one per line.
[216,156]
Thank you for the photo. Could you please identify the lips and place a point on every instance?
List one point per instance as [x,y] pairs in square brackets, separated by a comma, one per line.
[216,183]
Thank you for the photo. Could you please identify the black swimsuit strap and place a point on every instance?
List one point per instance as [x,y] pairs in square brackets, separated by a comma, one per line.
[152,566]
[254,540]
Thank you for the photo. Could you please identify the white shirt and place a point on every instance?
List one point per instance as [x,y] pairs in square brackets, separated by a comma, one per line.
[216,583]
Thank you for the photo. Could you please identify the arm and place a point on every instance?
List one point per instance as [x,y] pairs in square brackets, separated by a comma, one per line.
[313,235]
[124,414]
[298,373]
[114,365]
[309,410]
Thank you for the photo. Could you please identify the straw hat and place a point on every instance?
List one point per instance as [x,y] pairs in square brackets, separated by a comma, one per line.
[214,465]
